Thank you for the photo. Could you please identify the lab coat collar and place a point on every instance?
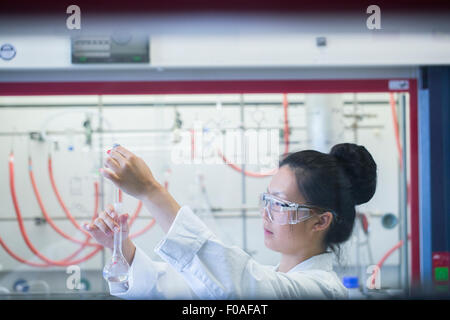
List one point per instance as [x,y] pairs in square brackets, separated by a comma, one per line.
[322,261]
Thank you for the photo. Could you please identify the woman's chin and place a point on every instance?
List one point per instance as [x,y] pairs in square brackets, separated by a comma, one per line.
[269,243]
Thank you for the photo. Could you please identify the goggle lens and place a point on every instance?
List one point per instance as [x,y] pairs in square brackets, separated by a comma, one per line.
[282,213]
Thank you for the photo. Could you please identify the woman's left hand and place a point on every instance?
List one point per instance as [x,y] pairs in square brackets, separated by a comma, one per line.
[129,173]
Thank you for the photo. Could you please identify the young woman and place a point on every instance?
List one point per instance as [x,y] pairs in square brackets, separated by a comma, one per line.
[308,211]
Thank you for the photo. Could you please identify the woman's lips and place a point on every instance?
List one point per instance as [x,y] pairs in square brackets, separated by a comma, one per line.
[267,232]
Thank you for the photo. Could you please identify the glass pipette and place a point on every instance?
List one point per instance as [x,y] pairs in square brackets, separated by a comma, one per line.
[116,270]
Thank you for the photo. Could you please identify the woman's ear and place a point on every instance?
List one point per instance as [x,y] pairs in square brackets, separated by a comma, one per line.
[323,222]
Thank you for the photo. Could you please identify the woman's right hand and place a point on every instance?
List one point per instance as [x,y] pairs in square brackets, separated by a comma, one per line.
[129,173]
[102,229]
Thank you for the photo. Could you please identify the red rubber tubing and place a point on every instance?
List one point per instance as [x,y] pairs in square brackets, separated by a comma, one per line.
[286,147]
[387,255]
[246,172]
[63,262]
[34,264]
[64,207]
[61,202]
[16,257]
[69,215]
[397,137]
[47,216]
[66,261]
[396,130]
[400,157]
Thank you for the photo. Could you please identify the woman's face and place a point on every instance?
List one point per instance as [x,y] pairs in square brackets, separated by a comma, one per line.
[290,238]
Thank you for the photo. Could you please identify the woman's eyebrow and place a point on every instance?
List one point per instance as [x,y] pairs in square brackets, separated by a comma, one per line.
[276,193]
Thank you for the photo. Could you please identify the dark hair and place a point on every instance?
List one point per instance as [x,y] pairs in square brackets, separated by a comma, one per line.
[339,180]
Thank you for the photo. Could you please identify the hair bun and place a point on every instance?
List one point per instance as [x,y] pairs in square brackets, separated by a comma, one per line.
[359,167]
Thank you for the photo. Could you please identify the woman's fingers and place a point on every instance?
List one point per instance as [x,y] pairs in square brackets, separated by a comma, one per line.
[112,225]
[102,226]
[89,227]
[124,152]
[93,230]
[111,212]
[109,174]
[117,156]
[112,164]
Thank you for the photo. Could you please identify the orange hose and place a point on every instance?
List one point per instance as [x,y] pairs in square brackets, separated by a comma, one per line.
[69,215]
[64,262]
[34,264]
[400,157]
[384,258]
[16,257]
[397,139]
[396,129]
[47,216]
[286,147]
[60,200]
[246,172]
[67,212]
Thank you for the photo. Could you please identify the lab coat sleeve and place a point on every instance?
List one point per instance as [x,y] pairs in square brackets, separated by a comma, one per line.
[217,271]
[150,279]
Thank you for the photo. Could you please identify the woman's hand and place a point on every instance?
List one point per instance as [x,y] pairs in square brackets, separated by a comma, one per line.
[129,173]
[132,175]
[102,230]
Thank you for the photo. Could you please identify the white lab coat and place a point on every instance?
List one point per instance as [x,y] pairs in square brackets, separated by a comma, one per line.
[199,266]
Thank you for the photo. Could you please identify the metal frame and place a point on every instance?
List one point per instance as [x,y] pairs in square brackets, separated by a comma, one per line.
[324,85]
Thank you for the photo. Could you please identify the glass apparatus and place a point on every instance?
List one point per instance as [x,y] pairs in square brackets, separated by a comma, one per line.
[116,270]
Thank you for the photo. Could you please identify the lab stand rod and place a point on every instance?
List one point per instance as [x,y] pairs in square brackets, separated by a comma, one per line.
[186,104]
[400,201]
[355,128]
[156,105]
[225,214]
[404,193]
[217,212]
[102,183]
[243,154]
[144,131]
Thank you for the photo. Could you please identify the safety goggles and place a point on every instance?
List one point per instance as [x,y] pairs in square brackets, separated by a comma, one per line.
[284,212]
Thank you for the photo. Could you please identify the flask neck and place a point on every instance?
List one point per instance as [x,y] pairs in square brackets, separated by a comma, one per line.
[117,249]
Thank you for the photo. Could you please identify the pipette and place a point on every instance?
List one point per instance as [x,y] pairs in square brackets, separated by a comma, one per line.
[116,270]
